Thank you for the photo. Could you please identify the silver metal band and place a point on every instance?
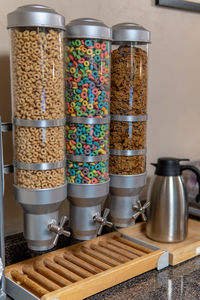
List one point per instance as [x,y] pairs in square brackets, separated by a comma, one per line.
[84,158]
[128,118]
[127,181]
[84,120]
[128,152]
[87,194]
[39,123]
[40,166]
[50,197]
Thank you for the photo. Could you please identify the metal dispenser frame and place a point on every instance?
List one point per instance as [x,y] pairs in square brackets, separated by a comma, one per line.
[4,169]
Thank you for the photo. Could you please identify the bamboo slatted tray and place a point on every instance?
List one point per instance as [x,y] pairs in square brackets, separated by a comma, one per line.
[82,270]
[178,252]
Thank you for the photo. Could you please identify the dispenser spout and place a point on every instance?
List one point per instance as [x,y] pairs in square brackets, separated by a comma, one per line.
[58,229]
[140,210]
[103,220]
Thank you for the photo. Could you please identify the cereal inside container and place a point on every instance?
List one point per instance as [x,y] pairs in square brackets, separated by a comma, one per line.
[87,77]
[37,73]
[87,139]
[87,95]
[128,79]
[127,135]
[37,81]
[40,179]
[87,172]
[127,147]
[39,145]
[129,72]
[127,165]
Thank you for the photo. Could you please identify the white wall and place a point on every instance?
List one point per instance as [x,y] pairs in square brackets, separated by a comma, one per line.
[174,76]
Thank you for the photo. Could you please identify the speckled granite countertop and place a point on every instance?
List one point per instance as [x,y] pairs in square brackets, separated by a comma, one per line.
[181,282]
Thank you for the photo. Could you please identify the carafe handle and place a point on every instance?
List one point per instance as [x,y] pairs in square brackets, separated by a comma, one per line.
[197,173]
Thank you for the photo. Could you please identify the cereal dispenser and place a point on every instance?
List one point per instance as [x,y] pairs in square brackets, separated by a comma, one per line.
[36,34]
[129,57]
[87,94]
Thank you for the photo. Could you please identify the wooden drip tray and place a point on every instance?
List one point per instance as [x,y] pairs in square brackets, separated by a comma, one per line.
[82,270]
[178,252]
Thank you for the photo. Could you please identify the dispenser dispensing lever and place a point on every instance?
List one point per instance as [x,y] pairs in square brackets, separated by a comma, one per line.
[103,220]
[58,229]
[140,210]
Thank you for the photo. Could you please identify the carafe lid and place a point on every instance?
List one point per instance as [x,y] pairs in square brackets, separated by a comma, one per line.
[169,166]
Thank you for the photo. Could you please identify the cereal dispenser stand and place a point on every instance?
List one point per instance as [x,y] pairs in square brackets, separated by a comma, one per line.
[129,57]
[87,80]
[36,34]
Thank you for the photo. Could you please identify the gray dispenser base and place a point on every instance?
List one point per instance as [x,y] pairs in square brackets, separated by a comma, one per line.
[40,207]
[85,202]
[124,192]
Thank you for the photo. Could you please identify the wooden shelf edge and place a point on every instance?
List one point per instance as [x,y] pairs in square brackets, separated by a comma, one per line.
[184,254]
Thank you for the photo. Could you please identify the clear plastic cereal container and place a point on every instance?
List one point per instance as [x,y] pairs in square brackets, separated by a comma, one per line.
[129,72]
[87,94]
[37,82]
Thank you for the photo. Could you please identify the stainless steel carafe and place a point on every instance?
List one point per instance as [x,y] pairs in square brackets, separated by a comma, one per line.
[168,212]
